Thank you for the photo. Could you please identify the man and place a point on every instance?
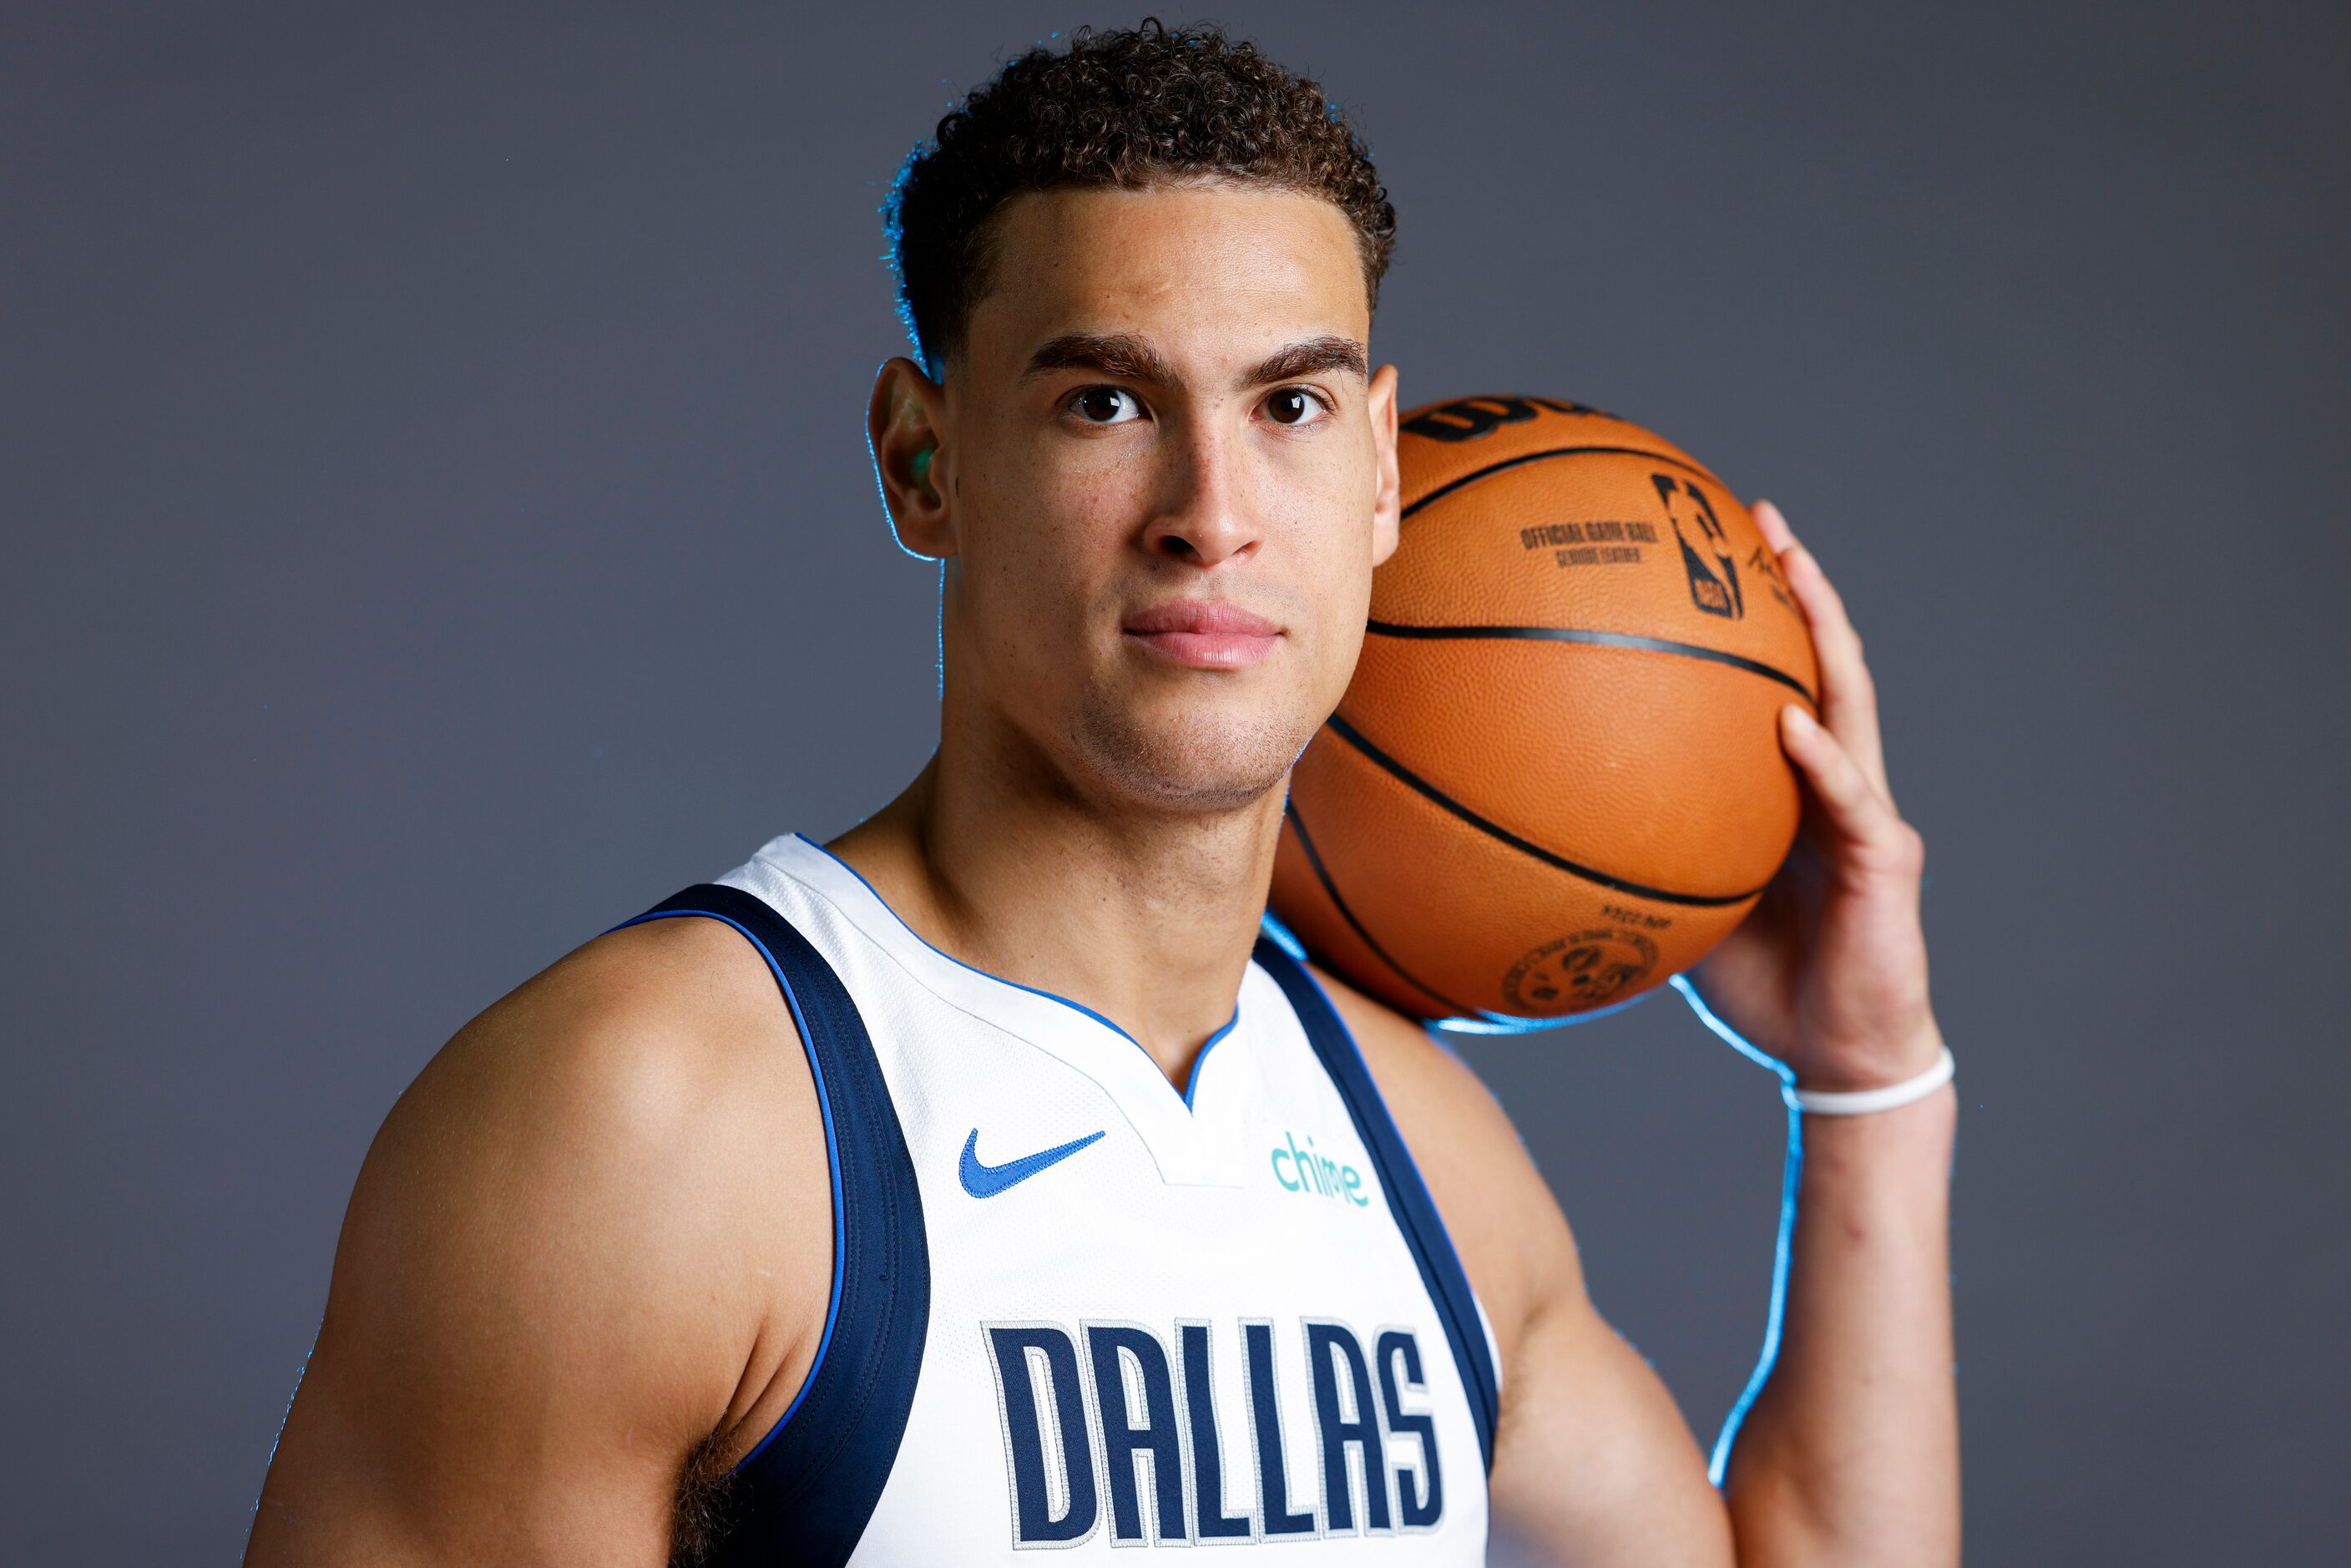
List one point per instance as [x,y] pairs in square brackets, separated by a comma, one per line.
[966,1185]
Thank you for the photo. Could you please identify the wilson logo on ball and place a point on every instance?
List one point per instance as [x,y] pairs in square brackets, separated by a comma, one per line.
[1468,418]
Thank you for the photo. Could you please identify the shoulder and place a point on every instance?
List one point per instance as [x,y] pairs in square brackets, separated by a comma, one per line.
[601,1206]
[1511,1238]
[645,1036]
[648,1060]
[642,1113]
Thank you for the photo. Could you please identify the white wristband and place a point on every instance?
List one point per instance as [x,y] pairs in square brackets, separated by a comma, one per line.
[1861,1102]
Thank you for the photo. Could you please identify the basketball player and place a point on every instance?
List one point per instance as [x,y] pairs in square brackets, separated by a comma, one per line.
[981,1181]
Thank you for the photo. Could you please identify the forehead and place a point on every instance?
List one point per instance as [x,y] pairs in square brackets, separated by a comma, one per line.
[1190,266]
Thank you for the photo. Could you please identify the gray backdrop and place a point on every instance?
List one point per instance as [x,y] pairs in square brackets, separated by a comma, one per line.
[438,525]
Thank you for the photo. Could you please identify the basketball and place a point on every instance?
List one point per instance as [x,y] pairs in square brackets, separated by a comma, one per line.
[1556,776]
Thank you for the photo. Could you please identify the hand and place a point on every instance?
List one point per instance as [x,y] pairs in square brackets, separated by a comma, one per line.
[1828,971]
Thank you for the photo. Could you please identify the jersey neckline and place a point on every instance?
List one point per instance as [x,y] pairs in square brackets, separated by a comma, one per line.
[874,914]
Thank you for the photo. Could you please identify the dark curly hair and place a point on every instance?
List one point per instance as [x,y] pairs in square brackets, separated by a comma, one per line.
[1129,110]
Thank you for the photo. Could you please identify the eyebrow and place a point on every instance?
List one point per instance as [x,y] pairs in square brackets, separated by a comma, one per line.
[1308,357]
[1130,358]
[1121,354]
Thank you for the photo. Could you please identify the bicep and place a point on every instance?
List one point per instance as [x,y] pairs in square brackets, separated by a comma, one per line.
[537,1311]
[454,1409]
[1592,1463]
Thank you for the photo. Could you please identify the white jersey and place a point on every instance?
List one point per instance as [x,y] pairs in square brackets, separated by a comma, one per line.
[1074,1308]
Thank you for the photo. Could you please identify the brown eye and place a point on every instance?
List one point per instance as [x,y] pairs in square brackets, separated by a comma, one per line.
[1293,405]
[1107,405]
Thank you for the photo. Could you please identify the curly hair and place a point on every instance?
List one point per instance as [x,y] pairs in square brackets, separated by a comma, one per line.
[1129,110]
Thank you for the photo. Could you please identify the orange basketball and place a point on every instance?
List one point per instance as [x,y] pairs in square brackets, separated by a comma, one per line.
[1556,778]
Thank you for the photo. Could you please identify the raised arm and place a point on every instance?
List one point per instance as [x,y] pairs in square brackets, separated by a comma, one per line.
[1851,1453]
[578,1261]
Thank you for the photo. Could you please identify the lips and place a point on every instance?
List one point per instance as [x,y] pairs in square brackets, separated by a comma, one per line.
[1204,633]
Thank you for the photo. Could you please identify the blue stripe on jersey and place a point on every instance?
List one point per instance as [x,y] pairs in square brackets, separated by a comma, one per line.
[1408,1200]
[805,1493]
[1192,1084]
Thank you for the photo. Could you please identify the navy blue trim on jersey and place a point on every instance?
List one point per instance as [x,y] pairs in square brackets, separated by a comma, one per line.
[1408,1200]
[805,1493]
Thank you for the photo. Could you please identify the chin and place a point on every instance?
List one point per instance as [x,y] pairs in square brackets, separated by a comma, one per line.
[1193,758]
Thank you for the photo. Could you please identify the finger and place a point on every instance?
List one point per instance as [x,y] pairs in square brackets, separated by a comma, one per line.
[1848,694]
[1774,524]
[1874,836]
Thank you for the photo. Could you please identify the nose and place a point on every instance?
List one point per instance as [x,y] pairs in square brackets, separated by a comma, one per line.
[1205,516]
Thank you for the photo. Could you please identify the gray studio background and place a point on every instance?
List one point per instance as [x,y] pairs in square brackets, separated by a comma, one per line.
[438,525]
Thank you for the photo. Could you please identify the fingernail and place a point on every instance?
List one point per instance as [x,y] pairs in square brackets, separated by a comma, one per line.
[1798,720]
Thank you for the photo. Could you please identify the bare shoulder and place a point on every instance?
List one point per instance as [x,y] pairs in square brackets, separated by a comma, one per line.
[642,1036]
[585,1241]
[648,1080]
[1511,1238]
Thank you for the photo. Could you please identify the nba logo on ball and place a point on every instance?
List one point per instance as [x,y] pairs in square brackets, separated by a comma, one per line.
[1713,576]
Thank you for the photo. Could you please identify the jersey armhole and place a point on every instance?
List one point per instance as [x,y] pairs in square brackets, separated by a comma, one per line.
[1457,1307]
[804,1492]
[1493,1345]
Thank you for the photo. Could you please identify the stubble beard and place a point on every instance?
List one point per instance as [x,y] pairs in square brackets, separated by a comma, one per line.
[1201,762]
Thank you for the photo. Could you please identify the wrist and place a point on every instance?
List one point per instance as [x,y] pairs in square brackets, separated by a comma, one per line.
[1859,1065]
[1868,1102]
[1856,1077]
[1896,1158]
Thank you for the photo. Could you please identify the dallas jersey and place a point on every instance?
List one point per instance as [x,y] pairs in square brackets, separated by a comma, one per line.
[1076,1309]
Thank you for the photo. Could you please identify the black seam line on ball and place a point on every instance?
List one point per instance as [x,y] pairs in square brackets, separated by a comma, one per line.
[1525,457]
[1352,736]
[1314,859]
[1597,639]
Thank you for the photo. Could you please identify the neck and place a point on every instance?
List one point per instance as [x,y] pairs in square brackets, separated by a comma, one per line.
[1144,914]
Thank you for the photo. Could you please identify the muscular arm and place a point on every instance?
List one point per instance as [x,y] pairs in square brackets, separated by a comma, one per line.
[1593,1463]
[1847,1456]
[582,1249]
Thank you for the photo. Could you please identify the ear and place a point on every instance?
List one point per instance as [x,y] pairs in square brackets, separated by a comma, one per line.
[1387,503]
[905,427]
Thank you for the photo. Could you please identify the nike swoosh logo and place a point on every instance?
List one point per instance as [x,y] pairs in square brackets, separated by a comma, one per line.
[986,1181]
